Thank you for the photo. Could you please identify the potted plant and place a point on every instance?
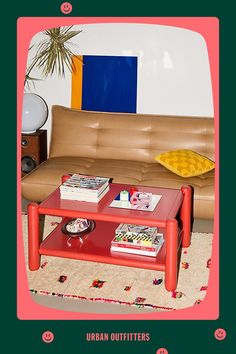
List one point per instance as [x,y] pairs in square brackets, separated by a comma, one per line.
[53,55]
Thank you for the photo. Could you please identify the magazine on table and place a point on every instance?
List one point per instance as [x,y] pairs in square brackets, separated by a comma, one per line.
[84,188]
[137,239]
[136,229]
[79,182]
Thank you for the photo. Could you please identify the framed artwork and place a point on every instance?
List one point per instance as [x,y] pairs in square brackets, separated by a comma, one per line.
[104,83]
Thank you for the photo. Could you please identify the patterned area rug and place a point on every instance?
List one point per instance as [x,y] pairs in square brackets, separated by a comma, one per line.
[123,285]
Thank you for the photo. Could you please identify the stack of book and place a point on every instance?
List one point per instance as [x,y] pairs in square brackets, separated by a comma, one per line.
[137,239]
[84,188]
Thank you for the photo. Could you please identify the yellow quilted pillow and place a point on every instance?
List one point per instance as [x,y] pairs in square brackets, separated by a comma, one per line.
[185,163]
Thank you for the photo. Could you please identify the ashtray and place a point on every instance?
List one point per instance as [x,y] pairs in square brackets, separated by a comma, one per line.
[78,227]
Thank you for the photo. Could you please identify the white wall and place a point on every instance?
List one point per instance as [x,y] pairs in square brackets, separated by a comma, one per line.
[173,67]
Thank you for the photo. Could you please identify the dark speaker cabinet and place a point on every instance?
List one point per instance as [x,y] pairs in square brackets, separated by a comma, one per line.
[33,150]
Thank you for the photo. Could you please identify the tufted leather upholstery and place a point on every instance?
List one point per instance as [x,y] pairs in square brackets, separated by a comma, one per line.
[123,146]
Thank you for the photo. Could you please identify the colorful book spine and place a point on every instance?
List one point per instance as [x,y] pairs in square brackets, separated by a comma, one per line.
[138,239]
[134,247]
[138,243]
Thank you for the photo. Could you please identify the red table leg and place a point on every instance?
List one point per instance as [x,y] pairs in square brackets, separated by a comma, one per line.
[171,254]
[185,215]
[33,236]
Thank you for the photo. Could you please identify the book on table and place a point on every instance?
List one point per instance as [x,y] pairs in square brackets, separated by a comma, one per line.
[85,197]
[84,188]
[137,239]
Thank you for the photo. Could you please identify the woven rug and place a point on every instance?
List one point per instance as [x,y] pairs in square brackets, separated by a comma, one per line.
[123,285]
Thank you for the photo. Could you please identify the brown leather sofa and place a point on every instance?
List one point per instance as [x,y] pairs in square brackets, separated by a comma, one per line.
[123,147]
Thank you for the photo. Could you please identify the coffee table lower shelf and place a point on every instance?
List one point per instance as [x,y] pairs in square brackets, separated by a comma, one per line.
[96,248]
[173,214]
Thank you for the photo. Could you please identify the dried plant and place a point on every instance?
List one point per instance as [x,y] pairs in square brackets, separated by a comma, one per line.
[53,53]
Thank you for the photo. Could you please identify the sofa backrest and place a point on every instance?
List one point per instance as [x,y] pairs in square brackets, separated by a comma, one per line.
[120,136]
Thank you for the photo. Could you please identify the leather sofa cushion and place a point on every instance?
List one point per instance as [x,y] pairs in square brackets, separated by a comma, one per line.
[131,137]
[38,184]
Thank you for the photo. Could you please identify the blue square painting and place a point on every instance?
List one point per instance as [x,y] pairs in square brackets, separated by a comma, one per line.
[109,83]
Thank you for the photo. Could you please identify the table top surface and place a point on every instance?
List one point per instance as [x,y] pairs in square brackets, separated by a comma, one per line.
[167,207]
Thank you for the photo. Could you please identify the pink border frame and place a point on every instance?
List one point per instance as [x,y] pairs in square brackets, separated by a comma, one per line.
[208,27]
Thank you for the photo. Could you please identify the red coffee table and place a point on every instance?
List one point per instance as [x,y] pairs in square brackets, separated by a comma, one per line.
[172,216]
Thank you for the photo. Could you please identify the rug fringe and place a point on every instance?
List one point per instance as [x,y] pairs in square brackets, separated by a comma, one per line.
[99,299]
